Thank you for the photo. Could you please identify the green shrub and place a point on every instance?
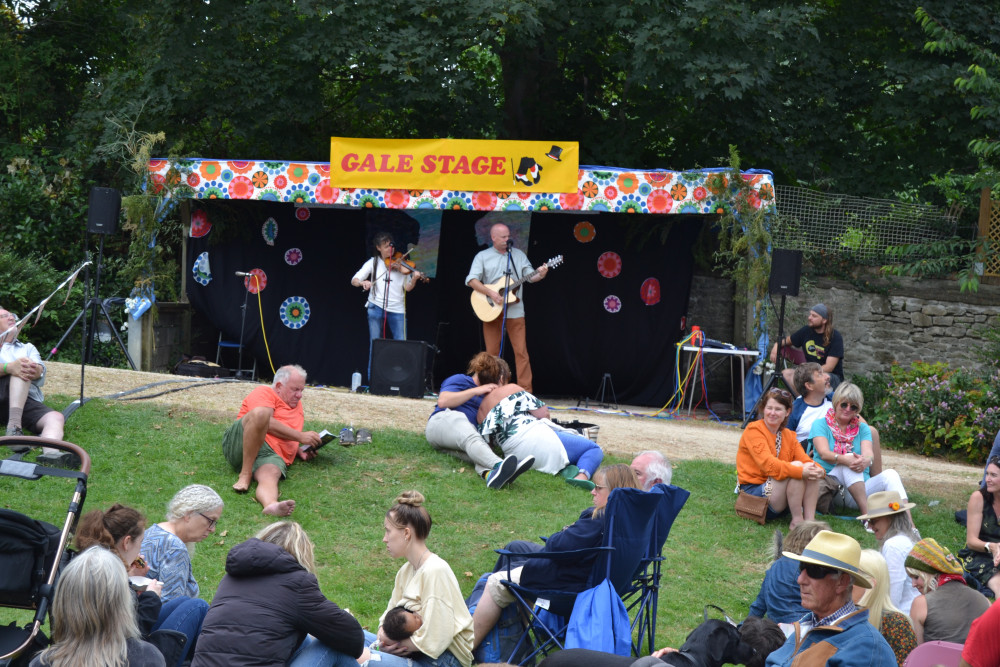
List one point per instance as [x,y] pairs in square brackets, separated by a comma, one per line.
[935,410]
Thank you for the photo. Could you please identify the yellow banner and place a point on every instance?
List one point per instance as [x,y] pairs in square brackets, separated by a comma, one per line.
[454,164]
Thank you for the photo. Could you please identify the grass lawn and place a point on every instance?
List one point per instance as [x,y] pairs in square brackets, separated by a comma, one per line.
[143,453]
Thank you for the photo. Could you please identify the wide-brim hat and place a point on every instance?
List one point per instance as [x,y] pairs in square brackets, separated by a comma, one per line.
[840,552]
[885,503]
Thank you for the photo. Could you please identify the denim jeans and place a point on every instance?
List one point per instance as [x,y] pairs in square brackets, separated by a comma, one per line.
[380,659]
[582,452]
[395,323]
[314,653]
[185,615]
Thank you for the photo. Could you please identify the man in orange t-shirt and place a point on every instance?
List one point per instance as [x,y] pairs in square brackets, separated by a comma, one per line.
[267,437]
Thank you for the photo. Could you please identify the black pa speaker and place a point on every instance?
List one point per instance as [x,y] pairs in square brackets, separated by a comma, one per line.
[105,205]
[786,270]
[398,367]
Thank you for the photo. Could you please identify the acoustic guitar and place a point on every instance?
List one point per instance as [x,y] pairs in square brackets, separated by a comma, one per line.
[487,310]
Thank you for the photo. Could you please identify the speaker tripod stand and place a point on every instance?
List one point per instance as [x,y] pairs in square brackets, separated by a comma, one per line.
[93,307]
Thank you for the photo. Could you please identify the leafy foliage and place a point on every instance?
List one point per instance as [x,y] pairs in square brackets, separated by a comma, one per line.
[664,84]
[937,259]
[935,410]
[745,232]
[27,280]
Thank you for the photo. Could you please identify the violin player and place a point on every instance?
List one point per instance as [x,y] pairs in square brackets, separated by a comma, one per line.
[385,277]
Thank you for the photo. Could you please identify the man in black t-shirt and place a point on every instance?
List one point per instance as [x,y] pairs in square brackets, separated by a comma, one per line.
[820,342]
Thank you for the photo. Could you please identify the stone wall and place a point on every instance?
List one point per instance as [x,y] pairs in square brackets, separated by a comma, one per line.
[925,320]
[711,307]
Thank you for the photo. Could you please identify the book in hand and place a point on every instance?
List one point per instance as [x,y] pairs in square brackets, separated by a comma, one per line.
[324,438]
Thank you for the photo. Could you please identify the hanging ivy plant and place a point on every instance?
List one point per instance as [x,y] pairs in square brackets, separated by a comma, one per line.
[147,214]
[745,236]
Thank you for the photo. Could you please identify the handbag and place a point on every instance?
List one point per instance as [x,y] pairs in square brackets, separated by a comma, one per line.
[754,507]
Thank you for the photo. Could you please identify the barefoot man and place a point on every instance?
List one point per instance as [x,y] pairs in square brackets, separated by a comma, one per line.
[267,436]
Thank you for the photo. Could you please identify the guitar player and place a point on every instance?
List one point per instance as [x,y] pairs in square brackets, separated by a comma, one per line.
[488,267]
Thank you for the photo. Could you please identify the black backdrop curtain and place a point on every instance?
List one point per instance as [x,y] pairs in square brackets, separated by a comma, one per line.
[573,339]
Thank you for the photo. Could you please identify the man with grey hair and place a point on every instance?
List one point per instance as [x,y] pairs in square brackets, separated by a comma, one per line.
[22,373]
[267,437]
[835,632]
[652,468]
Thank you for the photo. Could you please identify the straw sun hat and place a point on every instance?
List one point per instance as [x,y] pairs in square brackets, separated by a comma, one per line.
[885,503]
[837,551]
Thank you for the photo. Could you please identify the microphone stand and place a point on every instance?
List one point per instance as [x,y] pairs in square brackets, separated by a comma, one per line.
[385,301]
[243,322]
[506,286]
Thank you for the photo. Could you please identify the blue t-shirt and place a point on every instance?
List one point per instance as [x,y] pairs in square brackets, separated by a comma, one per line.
[457,383]
[822,429]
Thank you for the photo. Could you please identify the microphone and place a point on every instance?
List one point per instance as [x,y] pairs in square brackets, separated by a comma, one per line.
[510,243]
[243,274]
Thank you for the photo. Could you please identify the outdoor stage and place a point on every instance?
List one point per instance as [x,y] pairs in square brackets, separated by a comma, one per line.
[615,306]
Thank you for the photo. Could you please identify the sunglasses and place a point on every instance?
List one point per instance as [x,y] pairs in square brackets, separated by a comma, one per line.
[778,392]
[817,571]
[849,406]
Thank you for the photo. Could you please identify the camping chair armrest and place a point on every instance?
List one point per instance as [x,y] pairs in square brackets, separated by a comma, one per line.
[551,555]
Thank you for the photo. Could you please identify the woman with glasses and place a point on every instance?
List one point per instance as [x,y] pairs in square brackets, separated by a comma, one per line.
[843,446]
[550,573]
[120,530]
[771,463]
[192,515]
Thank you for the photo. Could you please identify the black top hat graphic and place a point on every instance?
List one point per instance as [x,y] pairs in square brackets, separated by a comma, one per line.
[554,153]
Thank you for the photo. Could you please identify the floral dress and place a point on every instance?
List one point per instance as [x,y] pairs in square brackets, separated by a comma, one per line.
[898,632]
[519,433]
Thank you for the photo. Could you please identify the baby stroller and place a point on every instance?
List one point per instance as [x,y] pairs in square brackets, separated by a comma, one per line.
[33,552]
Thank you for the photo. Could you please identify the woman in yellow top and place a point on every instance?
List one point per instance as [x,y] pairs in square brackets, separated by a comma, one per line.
[426,585]
[786,476]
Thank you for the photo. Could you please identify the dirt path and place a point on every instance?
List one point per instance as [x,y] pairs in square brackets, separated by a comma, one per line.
[679,439]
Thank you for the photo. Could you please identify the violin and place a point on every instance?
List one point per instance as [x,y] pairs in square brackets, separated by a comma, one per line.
[405,266]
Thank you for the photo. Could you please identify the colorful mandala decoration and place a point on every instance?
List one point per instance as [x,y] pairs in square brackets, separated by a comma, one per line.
[256,281]
[650,291]
[293,256]
[609,264]
[612,304]
[269,230]
[294,312]
[598,189]
[200,226]
[584,232]
[202,270]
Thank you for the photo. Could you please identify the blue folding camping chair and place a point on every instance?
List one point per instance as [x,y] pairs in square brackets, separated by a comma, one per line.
[642,596]
[629,518]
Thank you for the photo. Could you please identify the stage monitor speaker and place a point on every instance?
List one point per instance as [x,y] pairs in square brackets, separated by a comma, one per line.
[398,367]
[105,205]
[786,271]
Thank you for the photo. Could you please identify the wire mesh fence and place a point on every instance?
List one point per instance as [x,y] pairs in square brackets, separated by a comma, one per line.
[860,228]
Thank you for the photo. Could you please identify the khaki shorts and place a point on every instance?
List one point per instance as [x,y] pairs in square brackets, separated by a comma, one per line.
[500,593]
[232,448]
